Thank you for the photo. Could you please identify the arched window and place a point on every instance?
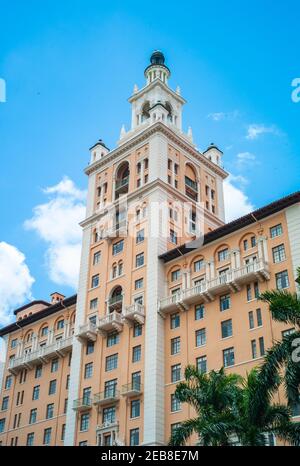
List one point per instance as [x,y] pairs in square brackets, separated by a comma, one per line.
[122,179]
[116,300]
[170,112]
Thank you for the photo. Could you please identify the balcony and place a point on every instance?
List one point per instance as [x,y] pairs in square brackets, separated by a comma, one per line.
[134,314]
[109,396]
[122,184]
[87,332]
[115,303]
[132,389]
[191,188]
[41,355]
[231,281]
[171,303]
[111,322]
[82,404]
[119,229]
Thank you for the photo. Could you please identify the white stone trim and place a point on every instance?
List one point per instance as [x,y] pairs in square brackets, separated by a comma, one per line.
[75,373]
[154,327]
[293,224]
[3,364]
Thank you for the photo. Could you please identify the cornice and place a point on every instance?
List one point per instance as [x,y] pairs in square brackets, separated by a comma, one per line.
[152,85]
[157,127]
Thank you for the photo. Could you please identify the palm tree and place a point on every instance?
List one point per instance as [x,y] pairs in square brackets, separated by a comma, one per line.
[230,408]
[284,307]
[212,396]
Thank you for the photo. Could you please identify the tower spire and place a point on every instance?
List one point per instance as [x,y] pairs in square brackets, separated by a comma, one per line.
[157,68]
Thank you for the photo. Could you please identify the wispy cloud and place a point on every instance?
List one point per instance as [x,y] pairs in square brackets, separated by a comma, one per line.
[255,130]
[246,159]
[16,281]
[57,223]
[219,116]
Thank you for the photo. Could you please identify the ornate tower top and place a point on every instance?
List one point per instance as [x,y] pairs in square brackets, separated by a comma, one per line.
[157,68]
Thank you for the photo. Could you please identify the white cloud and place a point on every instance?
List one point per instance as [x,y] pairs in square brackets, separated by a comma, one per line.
[236,201]
[246,159]
[255,130]
[219,116]
[16,281]
[57,223]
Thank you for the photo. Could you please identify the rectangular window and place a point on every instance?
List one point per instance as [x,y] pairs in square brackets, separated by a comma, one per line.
[259,317]
[84,422]
[50,411]
[36,392]
[175,345]
[54,365]
[223,254]
[38,371]
[175,275]
[111,362]
[201,364]
[96,258]
[287,333]
[47,436]
[226,328]
[224,303]
[175,320]
[60,324]
[276,231]
[23,375]
[8,382]
[33,416]
[201,337]
[2,425]
[13,343]
[136,353]
[112,339]
[278,253]
[253,241]
[139,284]
[93,304]
[110,388]
[254,349]
[249,293]
[68,382]
[199,311]
[245,243]
[175,404]
[118,247]
[140,236]
[251,320]
[63,432]
[228,357]
[134,437]
[5,401]
[90,347]
[198,265]
[139,260]
[173,237]
[95,281]
[30,439]
[175,373]
[261,346]
[137,330]
[256,290]
[88,370]
[109,415]
[44,331]
[282,280]
[52,387]
[135,408]
[65,405]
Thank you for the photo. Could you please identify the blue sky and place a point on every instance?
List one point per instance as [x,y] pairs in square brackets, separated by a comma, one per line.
[69,68]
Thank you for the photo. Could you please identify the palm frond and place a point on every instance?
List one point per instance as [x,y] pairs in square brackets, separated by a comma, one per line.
[284,306]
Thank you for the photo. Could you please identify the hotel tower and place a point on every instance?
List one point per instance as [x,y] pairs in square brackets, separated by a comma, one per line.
[164,282]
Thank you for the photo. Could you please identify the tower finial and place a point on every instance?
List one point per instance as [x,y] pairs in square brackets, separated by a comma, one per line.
[157,68]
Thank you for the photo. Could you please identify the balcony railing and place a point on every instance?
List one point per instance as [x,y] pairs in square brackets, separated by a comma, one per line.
[132,389]
[110,322]
[191,184]
[107,397]
[122,183]
[87,332]
[232,280]
[135,313]
[42,354]
[82,404]
[118,229]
